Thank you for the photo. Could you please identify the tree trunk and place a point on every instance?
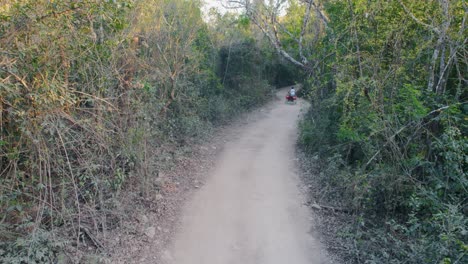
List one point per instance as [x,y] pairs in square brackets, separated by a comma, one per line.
[440,87]
[354,32]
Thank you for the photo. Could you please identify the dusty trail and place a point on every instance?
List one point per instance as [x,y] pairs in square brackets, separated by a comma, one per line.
[251,209]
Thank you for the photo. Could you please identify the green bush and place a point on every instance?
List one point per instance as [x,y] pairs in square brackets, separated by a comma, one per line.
[391,147]
[41,246]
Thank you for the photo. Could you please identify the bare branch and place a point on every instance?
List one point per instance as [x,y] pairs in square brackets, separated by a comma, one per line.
[18,78]
[266,20]
[303,29]
[321,14]
[285,30]
[432,28]
[277,45]
[412,123]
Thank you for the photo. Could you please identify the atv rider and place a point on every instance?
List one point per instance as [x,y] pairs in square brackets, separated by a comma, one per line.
[291,96]
[292,92]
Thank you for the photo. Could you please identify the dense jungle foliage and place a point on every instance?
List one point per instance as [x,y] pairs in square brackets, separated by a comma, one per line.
[96,95]
[388,124]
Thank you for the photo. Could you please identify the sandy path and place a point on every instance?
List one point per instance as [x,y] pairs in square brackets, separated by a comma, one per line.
[251,210]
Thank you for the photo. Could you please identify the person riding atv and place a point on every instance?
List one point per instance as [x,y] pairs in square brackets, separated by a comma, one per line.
[291,96]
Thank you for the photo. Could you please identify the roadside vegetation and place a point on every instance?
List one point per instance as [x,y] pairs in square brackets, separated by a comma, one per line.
[389,127]
[97,97]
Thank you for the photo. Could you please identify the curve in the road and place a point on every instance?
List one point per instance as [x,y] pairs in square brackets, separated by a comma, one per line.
[251,209]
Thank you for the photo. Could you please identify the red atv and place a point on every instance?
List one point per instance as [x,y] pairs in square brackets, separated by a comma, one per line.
[291,99]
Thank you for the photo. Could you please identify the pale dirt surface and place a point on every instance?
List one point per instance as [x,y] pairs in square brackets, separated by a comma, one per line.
[251,208]
[235,198]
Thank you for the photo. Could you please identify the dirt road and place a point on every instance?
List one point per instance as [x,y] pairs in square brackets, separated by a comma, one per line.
[250,211]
